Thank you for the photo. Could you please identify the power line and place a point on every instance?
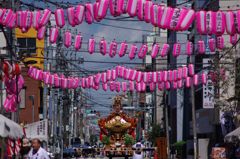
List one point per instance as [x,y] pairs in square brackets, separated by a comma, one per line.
[121,62]
[95,102]
[182,3]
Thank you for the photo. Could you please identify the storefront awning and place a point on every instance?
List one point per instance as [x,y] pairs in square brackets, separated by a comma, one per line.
[233,136]
[9,128]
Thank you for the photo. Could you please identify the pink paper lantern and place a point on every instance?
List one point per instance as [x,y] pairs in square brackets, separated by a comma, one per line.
[155,50]
[123,49]
[113,49]
[103,46]
[59,17]
[78,42]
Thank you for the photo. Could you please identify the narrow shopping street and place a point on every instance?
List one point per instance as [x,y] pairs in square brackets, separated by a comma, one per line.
[119,79]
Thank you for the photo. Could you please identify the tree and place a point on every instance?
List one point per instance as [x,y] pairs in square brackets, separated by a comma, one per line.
[225,75]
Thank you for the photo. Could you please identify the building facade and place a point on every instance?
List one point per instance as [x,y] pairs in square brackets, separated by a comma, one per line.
[32,50]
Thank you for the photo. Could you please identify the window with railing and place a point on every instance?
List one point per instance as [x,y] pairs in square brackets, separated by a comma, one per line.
[26,46]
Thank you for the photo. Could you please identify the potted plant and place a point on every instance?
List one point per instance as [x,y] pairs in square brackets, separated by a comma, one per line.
[155,133]
[128,140]
[179,147]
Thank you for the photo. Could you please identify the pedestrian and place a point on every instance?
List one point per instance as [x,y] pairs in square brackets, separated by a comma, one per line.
[25,148]
[37,152]
[138,153]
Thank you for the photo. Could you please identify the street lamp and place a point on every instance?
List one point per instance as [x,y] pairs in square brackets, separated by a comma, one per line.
[31,97]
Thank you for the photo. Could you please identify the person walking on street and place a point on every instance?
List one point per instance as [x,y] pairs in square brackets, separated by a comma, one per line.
[37,152]
[138,153]
[25,148]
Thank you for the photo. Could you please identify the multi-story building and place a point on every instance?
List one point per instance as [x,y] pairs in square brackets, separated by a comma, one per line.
[31,96]
[154,103]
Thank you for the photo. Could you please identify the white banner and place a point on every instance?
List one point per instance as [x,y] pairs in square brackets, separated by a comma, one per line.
[208,89]
[37,130]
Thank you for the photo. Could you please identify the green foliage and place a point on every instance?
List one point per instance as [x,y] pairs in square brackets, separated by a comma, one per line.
[128,139]
[179,147]
[179,143]
[156,132]
[106,140]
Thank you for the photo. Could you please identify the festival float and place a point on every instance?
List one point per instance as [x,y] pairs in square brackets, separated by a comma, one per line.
[118,132]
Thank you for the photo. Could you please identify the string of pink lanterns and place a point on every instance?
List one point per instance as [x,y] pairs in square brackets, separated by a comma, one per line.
[159,15]
[156,50]
[165,79]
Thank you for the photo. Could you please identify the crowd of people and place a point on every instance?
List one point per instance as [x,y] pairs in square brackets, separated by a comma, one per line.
[33,150]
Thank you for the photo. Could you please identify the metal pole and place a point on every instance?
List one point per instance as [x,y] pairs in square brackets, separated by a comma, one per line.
[167,123]
[33,115]
[60,125]
[171,96]
[33,108]
[1,95]
[46,68]
[195,140]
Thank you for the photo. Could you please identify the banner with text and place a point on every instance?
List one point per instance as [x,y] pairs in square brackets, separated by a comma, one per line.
[37,130]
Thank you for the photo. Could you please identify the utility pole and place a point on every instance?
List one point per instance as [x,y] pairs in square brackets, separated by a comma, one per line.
[46,68]
[166,123]
[195,139]
[211,5]
[60,125]
[171,95]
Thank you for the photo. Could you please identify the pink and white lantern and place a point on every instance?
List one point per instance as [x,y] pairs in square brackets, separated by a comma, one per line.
[155,50]
[102,8]
[164,50]
[230,26]
[89,13]
[212,44]
[113,48]
[123,49]
[176,49]
[67,39]
[132,7]
[78,42]
[220,42]
[133,50]
[143,51]
[91,45]
[79,14]
[189,48]
[45,16]
[53,35]
[103,46]
[201,47]
[201,22]
[59,17]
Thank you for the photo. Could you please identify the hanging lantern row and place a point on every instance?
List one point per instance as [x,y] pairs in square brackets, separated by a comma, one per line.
[132,50]
[159,15]
[13,88]
[182,74]
[209,22]
[10,70]
[13,82]
[142,86]
[139,76]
